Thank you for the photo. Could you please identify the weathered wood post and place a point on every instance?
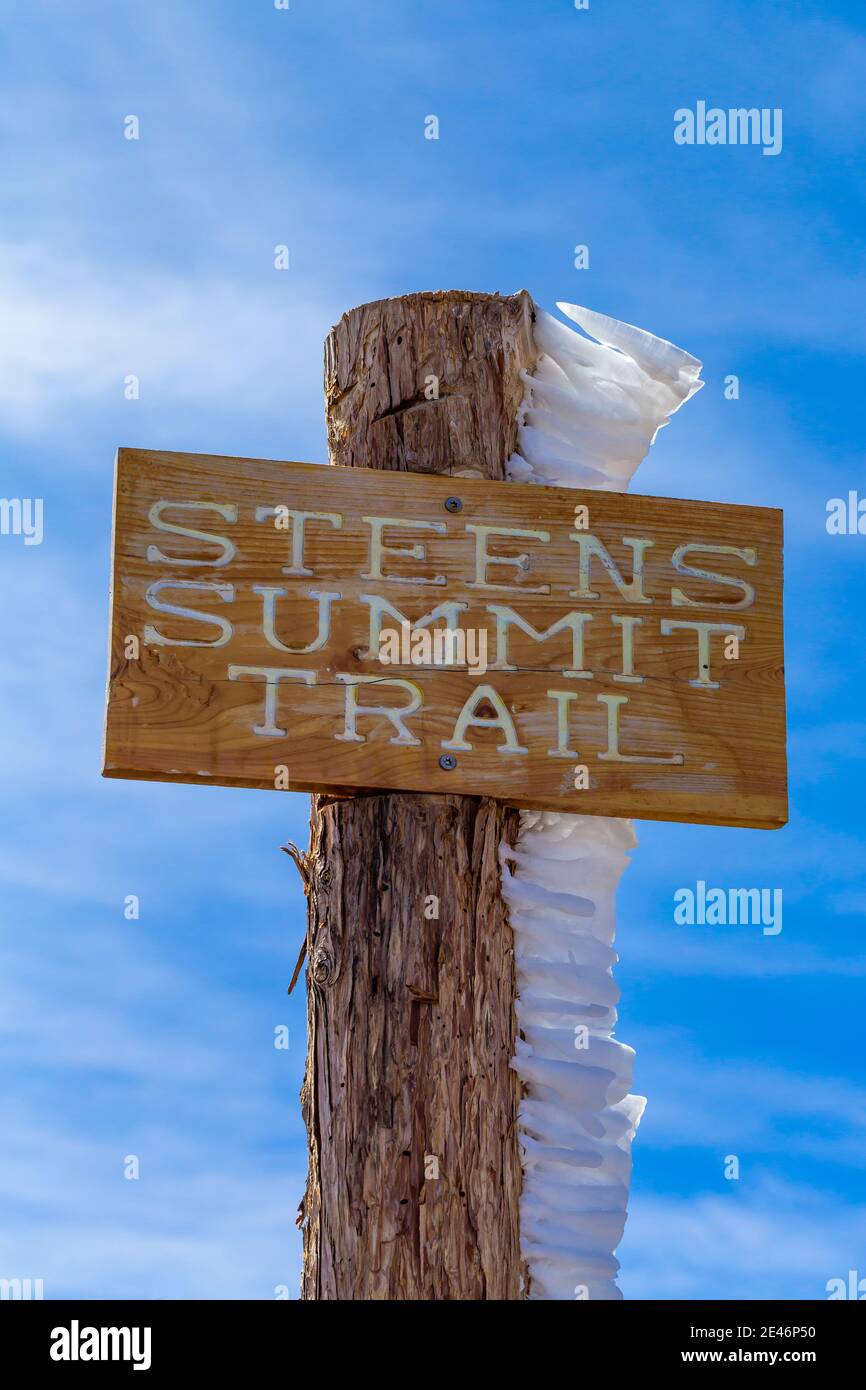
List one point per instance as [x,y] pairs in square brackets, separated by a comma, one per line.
[409,1098]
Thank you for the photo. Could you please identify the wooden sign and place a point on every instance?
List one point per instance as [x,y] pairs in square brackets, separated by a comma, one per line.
[301,627]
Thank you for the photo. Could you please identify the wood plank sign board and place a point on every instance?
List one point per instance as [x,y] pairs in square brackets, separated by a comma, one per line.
[302,627]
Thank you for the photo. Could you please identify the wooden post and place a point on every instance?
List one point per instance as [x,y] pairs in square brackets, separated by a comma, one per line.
[409,1098]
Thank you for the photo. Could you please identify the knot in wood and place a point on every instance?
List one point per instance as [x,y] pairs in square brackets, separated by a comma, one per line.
[323,965]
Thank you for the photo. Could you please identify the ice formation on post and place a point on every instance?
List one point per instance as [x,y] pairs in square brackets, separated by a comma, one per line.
[590,412]
[577,1119]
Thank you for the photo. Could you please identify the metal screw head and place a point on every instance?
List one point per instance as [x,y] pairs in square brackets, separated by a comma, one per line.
[447,762]
[453,504]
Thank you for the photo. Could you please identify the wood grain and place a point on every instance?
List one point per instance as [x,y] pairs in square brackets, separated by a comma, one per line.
[375,1223]
[175,714]
[411,1030]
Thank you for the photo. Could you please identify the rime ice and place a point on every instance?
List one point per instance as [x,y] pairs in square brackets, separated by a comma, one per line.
[590,413]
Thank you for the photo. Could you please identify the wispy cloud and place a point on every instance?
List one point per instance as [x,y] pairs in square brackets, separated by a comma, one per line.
[112,1046]
[763,1240]
[201,1221]
[738,1105]
[72,335]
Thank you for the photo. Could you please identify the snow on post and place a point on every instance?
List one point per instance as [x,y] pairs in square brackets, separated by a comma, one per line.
[590,412]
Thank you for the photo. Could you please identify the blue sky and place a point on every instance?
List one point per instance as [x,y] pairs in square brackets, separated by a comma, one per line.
[155,257]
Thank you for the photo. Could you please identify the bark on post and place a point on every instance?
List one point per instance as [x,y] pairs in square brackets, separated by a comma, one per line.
[409,1099]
